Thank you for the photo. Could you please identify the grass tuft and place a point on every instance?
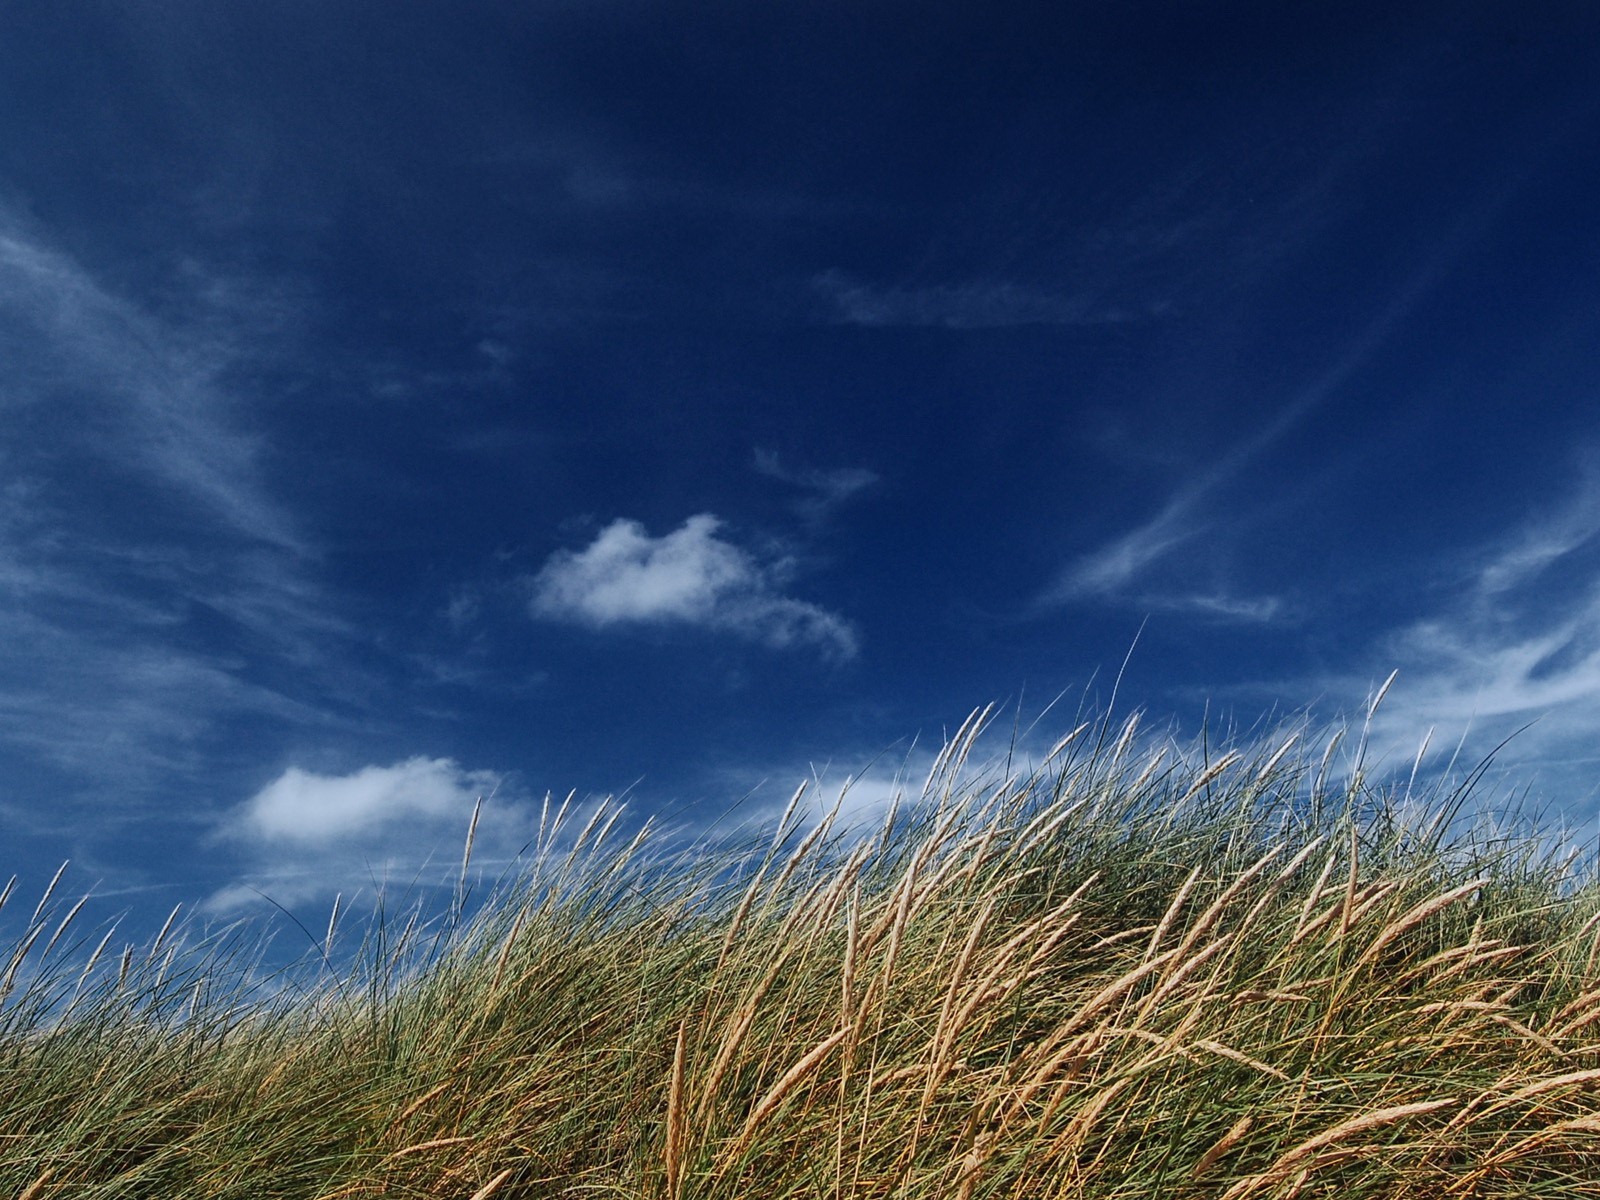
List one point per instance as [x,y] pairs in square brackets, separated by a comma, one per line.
[1121,974]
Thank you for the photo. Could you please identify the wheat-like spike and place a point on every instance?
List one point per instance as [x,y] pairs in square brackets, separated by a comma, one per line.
[1157,759]
[62,928]
[1043,825]
[1186,966]
[1366,900]
[416,1105]
[731,1041]
[847,974]
[435,1144]
[1327,758]
[600,811]
[1550,1133]
[1290,1160]
[48,892]
[1577,1015]
[1283,876]
[1372,709]
[1537,1088]
[804,848]
[1516,1026]
[1415,916]
[8,981]
[1277,756]
[822,912]
[1239,1057]
[333,922]
[507,947]
[166,926]
[1171,914]
[1077,1129]
[780,1090]
[1213,913]
[1314,896]
[1221,1146]
[94,958]
[1593,956]
[1350,885]
[466,853]
[986,990]
[493,1185]
[739,915]
[946,1030]
[674,1148]
[1207,776]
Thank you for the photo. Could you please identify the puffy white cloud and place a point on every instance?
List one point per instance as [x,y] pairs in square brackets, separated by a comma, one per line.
[305,807]
[690,576]
[306,836]
[626,575]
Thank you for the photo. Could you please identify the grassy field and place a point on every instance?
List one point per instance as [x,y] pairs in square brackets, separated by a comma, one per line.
[1123,973]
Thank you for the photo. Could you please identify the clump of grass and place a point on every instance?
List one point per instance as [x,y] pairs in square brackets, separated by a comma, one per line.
[1119,974]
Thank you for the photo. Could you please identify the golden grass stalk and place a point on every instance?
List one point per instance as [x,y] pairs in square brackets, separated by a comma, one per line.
[1290,1161]
[791,1079]
[673,1153]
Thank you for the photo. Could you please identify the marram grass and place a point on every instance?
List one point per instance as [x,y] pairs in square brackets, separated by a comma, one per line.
[1118,975]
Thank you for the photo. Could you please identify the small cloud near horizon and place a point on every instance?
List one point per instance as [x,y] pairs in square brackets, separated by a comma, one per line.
[307,835]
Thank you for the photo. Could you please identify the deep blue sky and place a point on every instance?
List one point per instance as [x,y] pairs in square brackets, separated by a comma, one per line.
[405,401]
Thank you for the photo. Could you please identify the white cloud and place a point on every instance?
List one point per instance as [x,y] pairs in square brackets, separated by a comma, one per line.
[306,835]
[300,806]
[1546,542]
[1517,645]
[690,576]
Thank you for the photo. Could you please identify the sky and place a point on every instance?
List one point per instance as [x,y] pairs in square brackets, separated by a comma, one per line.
[680,399]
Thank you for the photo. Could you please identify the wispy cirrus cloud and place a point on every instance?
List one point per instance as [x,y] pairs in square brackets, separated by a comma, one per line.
[156,405]
[692,577]
[976,304]
[1513,648]
[1113,571]
[137,523]
[823,489]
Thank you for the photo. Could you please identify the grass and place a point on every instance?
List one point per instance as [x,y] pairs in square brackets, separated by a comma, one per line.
[1123,974]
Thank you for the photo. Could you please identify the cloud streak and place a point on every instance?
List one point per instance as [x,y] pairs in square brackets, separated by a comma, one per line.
[825,490]
[979,304]
[1111,572]
[690,577]
[136,524]
[159,409]
[1514,650]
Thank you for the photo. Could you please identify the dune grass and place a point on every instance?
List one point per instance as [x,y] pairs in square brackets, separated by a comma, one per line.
[1126,973]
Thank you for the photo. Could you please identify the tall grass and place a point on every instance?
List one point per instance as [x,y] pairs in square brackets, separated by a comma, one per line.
[1126,973]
